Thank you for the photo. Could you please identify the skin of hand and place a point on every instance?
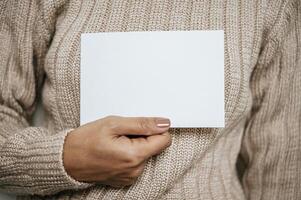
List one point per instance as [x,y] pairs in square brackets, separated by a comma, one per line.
[113,150]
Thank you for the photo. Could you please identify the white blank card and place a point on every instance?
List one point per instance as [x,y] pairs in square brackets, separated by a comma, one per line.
[173,74]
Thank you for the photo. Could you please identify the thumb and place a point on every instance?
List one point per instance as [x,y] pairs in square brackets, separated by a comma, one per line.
[139,125]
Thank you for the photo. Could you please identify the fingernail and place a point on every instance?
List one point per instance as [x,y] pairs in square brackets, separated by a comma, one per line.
[162,122]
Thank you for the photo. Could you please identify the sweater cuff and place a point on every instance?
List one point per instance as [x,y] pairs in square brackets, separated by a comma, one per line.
[37,164]
[51,170]
[63,178]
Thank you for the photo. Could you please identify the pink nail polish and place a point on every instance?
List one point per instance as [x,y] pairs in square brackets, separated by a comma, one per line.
[162,122]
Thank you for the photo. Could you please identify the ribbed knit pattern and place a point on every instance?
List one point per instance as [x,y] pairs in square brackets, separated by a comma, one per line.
[40,56]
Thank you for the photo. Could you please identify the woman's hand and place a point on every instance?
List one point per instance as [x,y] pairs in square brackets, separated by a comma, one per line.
[113,150]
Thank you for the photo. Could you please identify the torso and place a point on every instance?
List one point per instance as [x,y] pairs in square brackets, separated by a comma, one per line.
[242,22]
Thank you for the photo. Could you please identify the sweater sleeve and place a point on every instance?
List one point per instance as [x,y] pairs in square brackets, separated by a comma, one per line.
[271,146]
[30,157]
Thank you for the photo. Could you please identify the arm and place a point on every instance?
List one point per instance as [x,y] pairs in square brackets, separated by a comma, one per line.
[272,141]
[30,157]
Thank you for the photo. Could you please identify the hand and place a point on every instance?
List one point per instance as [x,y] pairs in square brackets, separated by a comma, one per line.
[114,150]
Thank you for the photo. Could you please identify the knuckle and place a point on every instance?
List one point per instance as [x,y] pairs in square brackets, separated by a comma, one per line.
[136,172]
[144,124]
[134,157]
[135,162]
[111,122]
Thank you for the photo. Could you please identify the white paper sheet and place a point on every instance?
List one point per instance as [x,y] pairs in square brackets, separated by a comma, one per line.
[174,74]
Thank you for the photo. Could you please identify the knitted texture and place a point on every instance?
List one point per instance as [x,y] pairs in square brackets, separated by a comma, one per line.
[40,57]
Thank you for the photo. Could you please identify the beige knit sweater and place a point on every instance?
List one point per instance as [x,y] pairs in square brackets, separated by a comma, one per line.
[40,55]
